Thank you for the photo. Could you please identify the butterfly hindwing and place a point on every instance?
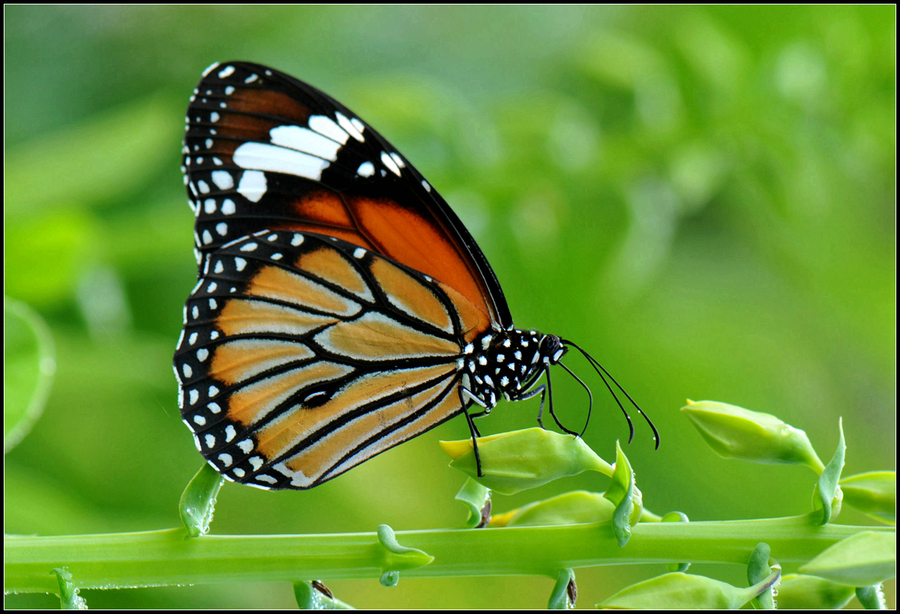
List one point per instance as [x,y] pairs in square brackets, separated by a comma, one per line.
[304,355]
[266,151]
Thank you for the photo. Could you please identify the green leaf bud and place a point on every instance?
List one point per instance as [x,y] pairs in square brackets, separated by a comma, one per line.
[394,557]
[871,597]
[862,559]
[800,592]
[565,591]
[873,493]
[576,507]
[316,596]
[69,599]
[477,499]
[830,495]
[519,460]
[626,497]
[735,432]
[198,501]
[680,591]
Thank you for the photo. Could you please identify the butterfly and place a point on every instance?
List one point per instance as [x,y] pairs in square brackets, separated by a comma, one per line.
[342,307]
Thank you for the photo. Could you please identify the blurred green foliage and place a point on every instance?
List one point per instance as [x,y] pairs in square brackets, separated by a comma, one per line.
[704,197]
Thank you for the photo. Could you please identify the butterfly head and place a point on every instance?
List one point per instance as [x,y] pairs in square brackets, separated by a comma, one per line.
[511,363]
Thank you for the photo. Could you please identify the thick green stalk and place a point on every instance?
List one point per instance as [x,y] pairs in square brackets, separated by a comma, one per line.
[167,557]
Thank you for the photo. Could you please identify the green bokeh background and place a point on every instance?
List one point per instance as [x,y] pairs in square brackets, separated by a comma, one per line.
[702,197]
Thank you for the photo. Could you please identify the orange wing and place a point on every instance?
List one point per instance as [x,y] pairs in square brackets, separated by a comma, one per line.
[266,151]
[303,356]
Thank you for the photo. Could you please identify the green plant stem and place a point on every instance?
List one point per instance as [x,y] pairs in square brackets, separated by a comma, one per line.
[167,557]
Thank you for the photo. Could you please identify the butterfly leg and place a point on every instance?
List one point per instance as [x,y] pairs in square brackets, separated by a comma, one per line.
[545,391]
[553,413]
[467,397]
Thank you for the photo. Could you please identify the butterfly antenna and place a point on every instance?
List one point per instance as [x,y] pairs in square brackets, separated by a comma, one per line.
[598,368]
[590,397]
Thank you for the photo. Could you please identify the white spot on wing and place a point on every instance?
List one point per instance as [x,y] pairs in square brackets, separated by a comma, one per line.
[223,180]
[253,185]
[326,127]
[366,169]
[388,161]
[262,157]
[305,140]
[351,129]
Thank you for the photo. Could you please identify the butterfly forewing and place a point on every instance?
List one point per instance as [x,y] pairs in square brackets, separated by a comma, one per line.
[303,356]
[266,151]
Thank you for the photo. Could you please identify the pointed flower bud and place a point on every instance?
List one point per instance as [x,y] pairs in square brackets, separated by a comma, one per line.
[874,493]
[198,501]
[735,432]
[519,460]
[680,591]
[799,592]
[863,559]
[576,507]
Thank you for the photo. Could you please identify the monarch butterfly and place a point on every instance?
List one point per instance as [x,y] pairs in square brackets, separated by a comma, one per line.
[342,307]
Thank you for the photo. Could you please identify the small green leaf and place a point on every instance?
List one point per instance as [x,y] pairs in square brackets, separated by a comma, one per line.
[565,591]
[518,460]
[679,591]
[735,432]
[871,597]
[577,507]
[829,493]
[862,559]
[757,570]
[198,501]
[874,493]
[478,499]
[624,494]
[315,596]
[69,598]
[29,365]
[393,557]
[801,592]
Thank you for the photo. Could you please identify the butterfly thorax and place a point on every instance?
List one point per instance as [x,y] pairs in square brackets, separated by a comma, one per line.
[507,363]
